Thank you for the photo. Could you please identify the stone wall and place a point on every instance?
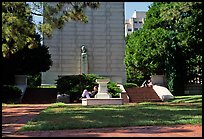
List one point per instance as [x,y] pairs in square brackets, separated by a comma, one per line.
[105,40]
[145,94]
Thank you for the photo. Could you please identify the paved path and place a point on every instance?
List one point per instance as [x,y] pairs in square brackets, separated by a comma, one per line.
[14,117]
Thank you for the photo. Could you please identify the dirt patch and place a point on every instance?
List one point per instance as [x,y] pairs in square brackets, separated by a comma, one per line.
[14,117]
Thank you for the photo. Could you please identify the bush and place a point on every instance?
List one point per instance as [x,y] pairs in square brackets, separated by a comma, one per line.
[10,94]
[31,61]
[34,80]
[130,85]
[74,85]
[113,89]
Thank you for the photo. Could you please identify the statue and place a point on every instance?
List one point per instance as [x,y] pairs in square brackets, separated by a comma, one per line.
[84,60]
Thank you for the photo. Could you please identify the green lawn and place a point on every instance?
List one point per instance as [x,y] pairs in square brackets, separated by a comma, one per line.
[181,110]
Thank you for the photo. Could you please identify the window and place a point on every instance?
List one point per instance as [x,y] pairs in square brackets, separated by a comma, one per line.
[135,21]
[129,29]
[140,22]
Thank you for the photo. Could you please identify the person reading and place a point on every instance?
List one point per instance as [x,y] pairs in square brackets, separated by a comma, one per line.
[87,94]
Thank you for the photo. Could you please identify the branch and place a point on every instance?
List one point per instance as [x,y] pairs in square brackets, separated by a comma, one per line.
[36,14]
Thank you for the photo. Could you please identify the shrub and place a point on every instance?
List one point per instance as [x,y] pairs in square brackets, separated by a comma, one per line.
[74,85]
[113,89]
[34,80]
[10,94]
[130,85]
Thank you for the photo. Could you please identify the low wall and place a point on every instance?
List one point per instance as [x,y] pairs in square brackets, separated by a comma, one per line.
[102,101]
[123,94]
[144,94]
[40,96]
[193,89]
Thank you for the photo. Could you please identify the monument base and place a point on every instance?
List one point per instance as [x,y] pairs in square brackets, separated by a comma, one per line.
[163,92]
[103,95]
[100,101]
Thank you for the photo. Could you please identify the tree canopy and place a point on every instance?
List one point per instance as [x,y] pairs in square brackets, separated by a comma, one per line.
[22,50]
[169,43]
[56,14]
[19,30]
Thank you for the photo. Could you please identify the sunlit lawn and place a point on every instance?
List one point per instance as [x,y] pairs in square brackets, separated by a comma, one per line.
[181,110]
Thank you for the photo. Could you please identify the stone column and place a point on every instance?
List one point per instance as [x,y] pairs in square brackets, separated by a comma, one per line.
[21,83]
[102,90]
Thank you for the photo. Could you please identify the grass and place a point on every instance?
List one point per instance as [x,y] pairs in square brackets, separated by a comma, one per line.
[187,99]
[60,116]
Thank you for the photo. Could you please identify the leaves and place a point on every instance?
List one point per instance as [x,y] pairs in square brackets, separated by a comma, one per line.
[56,14]
[169,42]
[18,29]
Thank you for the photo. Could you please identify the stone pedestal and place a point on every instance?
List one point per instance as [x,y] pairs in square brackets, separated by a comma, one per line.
[21,79]
[21,82]
[158,80]
[103,90]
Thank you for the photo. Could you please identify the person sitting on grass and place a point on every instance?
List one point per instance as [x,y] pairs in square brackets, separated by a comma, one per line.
[87,94]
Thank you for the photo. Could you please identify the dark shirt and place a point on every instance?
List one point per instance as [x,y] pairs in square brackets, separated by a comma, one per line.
[93,93]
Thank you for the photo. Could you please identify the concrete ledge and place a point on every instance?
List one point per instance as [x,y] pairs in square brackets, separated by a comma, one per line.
[102,101]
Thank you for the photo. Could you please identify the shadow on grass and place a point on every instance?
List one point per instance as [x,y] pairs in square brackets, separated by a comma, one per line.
[147,114]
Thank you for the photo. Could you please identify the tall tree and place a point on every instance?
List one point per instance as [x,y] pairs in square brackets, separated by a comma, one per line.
[56,14]
[18,28]
[177,28]
[21,47]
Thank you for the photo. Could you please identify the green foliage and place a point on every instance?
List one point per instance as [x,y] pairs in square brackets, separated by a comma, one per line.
[34,80]
[113,89]
[57,14]
[74,85]
[21,45]
[26,61]
[10,94]
[169,43]
[130,85]
[18,28]
[18,31]
[90,81]
[31,61]
[143,55]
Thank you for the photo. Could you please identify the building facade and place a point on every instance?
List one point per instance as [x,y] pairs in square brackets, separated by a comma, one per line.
[135,22]
[104,38]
